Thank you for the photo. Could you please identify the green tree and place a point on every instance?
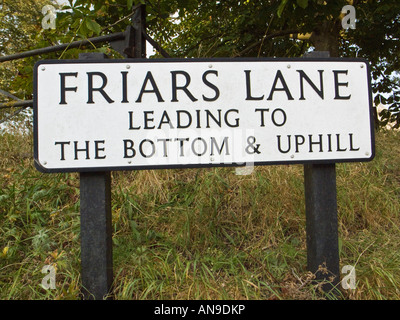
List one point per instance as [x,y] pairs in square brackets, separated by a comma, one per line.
[20,24]
[289,28]
[20,29]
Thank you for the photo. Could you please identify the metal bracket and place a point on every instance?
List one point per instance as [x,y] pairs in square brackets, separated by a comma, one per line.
[126,45]
[134,43]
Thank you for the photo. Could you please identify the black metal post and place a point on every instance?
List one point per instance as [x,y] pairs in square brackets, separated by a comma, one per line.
[134,43]
[139,25]
[96,228]
[95,188]
[321,218]
[322,224]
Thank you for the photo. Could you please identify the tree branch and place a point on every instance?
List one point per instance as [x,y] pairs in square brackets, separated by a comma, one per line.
[268,36]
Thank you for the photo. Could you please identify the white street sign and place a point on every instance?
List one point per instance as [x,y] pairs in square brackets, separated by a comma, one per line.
[144,114]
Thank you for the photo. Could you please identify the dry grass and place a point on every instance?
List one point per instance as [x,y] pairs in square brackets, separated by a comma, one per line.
[199,233]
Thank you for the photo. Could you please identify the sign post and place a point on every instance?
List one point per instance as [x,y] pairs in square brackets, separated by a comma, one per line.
[97,116]
[322,224]
[96,234]
[321,218]
[96,228]
[95,192]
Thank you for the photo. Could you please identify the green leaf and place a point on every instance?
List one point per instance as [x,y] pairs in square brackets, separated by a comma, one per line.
[93,26]
[83,30]
[129,3]
[302,3]
[281,7]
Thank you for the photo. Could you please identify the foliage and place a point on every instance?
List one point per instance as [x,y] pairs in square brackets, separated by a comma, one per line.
[20,25]
[289,28]
[376,38]
[18,29]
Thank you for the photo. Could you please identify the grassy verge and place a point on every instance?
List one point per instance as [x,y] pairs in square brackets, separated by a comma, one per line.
[199,233]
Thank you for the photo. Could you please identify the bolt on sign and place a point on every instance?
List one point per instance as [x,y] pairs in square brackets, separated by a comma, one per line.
[145,114]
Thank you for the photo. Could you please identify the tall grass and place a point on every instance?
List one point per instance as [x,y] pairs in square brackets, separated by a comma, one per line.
[198,233]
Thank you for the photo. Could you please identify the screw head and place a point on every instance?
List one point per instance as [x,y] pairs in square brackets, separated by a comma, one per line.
[43,68]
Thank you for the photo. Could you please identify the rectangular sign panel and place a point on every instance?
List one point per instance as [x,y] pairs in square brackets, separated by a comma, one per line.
[144,114]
